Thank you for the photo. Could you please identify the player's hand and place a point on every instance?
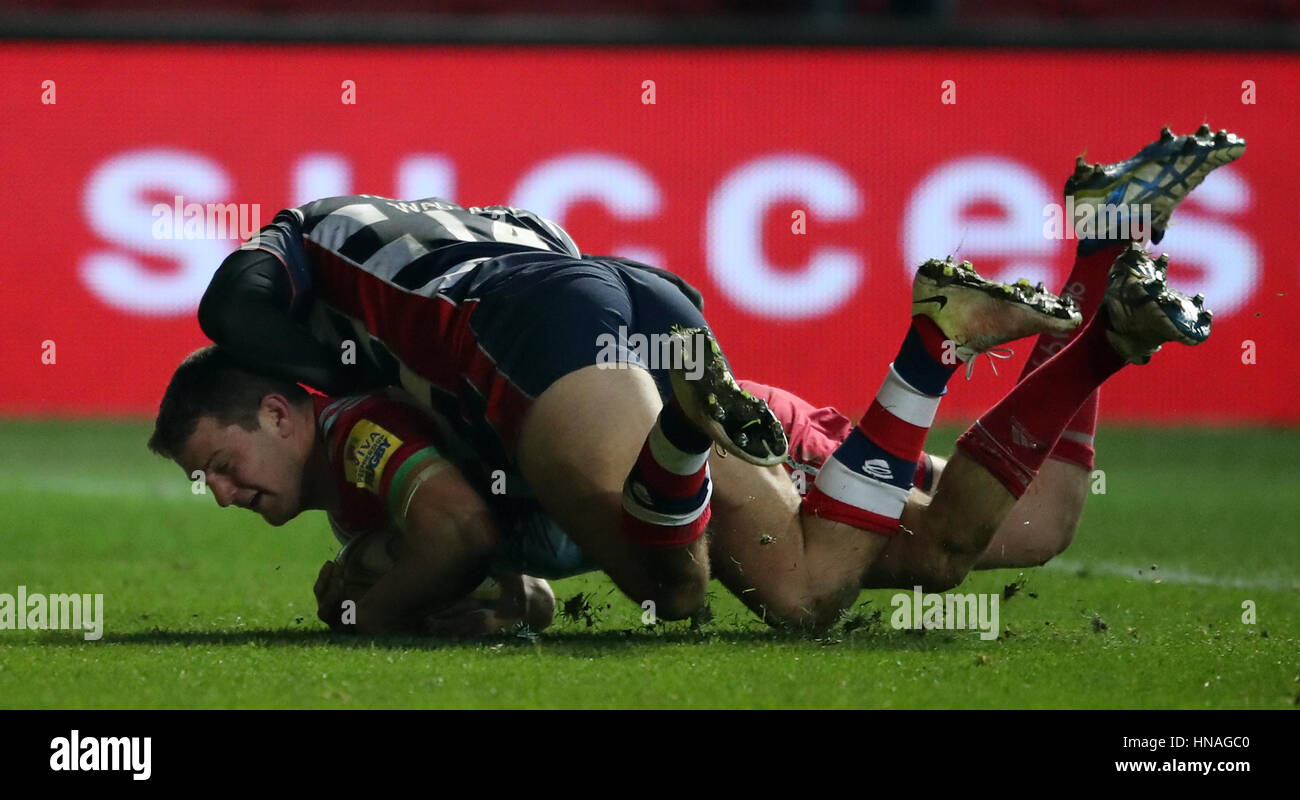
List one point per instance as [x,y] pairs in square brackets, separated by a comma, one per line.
[330,595]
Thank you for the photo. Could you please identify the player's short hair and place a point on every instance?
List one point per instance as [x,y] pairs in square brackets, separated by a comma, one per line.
[210,383]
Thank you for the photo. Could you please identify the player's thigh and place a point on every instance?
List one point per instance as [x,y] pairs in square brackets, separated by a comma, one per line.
[583,434]
[777,561]
[942,535]
[577,445]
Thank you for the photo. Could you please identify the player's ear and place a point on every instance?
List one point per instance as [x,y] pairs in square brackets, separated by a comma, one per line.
[276,414]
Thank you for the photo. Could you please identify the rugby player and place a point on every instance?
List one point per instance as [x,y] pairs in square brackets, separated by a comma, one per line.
[360,459]
[376,464]
[493,318]
[1013,493]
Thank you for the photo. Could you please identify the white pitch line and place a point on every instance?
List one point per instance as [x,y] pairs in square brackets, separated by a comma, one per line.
[1172,575]
[82,486]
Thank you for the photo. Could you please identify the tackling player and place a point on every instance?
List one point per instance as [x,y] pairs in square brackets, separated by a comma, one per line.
[1014,491]
[492,318]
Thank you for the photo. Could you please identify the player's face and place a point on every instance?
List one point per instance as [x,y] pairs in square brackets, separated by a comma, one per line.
[260,470]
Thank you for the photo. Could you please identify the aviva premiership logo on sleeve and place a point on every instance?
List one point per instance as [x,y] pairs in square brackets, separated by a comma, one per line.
[366,453]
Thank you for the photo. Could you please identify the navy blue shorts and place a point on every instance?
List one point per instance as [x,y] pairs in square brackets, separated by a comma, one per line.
[537,318]
[540,321]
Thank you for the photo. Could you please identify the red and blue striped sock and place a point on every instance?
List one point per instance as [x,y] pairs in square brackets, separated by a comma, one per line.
[866,480]
[666,495]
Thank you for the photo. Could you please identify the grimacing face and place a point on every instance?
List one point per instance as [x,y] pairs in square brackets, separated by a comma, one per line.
[261,470]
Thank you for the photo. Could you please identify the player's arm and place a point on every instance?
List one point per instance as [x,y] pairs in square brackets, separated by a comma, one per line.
[449,538]
[254,306]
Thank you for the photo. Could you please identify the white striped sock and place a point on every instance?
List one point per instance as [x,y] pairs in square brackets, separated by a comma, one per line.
[860,491]
[668,456]
[906,402]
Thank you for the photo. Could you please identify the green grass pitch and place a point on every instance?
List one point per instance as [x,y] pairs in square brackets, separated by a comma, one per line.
[211,608]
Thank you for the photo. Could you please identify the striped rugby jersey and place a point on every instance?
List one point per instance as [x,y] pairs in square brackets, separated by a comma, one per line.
[421,247]
[382,281]
[418,245]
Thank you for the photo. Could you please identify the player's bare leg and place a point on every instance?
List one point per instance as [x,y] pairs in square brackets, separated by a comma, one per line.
[997,459]
[1041,524]
[799,560]
[579,442]
[763,551]
[637,503]
[1162,174]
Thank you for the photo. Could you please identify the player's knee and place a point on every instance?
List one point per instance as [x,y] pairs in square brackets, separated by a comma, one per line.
[810,611]
[943,578]
[1051,546]
[672,603]
[1064,537]
[949,568]
[677,597]
[681,600]
[672,581]
[1065,528]
[1054,536]
[1054,510]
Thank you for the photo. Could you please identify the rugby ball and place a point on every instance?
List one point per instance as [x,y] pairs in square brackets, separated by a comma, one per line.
[368,558]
